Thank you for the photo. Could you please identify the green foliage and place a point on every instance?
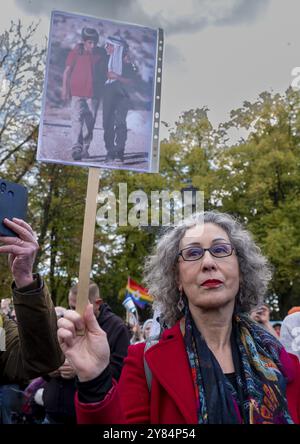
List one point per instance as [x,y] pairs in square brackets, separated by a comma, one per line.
[257,179]
[21,77]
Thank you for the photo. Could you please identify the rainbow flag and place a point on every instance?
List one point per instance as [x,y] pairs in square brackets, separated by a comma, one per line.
[138,294]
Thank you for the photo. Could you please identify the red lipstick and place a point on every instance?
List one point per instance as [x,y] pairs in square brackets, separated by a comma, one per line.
[211,283]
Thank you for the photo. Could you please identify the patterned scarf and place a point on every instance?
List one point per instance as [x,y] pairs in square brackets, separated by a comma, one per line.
[259,396]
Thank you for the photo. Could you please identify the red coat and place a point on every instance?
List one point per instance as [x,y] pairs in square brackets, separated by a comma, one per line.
[172,394]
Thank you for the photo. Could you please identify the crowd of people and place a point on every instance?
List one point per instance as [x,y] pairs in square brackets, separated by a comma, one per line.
[216,360]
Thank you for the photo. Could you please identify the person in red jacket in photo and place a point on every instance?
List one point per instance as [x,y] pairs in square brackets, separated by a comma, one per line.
[213,364]
[83,82]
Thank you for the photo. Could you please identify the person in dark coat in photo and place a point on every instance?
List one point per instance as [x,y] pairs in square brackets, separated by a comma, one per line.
[116,100]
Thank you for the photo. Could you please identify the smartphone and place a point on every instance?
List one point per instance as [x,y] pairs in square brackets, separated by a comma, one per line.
[13,203]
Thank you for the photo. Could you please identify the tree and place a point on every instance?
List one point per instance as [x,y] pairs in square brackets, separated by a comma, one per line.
[258,180]
[21,76]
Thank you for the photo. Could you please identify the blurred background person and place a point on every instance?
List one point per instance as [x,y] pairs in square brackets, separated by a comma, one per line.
[261,314]
[293,310]
[277,327]
[290,333]
[146,329]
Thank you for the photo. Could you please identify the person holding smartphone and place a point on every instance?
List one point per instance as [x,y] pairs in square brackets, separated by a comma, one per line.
[30,348]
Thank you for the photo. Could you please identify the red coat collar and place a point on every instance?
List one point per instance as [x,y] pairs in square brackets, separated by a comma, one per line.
[169,364]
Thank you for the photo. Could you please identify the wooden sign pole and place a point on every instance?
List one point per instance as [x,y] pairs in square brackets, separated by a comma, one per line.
[87,243]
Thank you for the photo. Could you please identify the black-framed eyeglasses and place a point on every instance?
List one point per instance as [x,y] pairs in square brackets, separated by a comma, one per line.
[195,252]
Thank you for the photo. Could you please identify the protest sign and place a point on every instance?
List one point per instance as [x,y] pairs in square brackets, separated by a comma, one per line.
[101,101]
[101,106]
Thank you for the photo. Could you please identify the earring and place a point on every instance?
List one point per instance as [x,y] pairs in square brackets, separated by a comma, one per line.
[180,304]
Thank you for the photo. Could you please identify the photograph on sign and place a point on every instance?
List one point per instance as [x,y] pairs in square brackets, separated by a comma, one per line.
[101,98]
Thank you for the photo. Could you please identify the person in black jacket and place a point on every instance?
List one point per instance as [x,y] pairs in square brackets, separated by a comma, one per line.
[121,74]
[59,392]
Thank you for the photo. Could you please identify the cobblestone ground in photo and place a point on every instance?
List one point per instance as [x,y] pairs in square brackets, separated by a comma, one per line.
[56,140]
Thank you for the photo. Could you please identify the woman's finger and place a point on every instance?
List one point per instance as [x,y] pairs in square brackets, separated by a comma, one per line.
[91,321]
[65,338]
[75,318]
[67,325]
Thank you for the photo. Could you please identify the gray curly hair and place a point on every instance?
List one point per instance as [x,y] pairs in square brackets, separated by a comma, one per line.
[161,270]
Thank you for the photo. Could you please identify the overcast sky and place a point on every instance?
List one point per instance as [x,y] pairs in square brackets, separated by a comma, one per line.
[218,53]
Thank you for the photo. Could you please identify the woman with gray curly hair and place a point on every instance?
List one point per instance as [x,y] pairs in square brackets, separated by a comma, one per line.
[212,364]
[255,272]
